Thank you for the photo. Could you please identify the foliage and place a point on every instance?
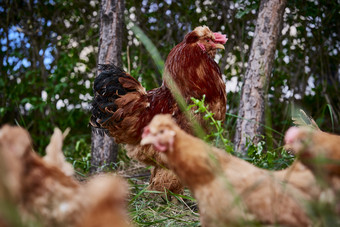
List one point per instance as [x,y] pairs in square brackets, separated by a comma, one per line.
[217,134]
[256,153]
[80,155]
[47,60]
[271,159]
[306,71]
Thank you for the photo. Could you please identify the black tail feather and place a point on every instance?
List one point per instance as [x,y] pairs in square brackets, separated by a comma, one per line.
[107,89]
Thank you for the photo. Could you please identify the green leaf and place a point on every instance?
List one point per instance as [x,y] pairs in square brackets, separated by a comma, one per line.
[241,13]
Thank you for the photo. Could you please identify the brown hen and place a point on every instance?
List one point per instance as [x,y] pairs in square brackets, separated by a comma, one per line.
[43,190]
[319,151]
[229,190]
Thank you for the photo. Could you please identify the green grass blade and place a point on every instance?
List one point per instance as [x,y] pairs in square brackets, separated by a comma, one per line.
[150,47]
[331,113]
[138,195]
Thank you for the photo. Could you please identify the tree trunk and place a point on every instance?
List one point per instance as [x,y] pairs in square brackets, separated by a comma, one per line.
[104,149]
[254,91]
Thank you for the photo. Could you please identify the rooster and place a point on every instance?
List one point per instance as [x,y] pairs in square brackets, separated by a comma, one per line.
[123,107]
[230,191]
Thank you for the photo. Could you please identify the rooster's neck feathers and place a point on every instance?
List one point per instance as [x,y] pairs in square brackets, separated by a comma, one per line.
[194,72]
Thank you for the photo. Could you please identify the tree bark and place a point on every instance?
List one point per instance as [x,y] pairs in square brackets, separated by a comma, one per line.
[255,87]
[103,148]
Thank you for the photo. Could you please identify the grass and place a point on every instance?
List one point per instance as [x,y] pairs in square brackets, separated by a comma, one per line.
[149,208]
[152,208]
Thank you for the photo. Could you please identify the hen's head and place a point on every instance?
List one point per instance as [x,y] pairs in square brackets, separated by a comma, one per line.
[316,149]
[160,133]
[297,139]
[300,140]
[207,40]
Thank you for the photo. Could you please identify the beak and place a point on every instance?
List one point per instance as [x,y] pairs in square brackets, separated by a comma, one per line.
[219,46]
[147,140]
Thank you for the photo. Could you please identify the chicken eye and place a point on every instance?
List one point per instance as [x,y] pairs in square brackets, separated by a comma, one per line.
[208,40]
[161,131]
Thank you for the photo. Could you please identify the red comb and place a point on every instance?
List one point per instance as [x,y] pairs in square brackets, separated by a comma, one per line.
[219,38]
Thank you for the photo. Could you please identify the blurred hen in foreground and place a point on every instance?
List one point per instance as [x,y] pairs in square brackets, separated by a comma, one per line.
[318,150]
[43,190]
[123,107]
[229,190]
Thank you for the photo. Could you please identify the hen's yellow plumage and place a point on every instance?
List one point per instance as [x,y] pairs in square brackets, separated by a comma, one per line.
[229,190]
